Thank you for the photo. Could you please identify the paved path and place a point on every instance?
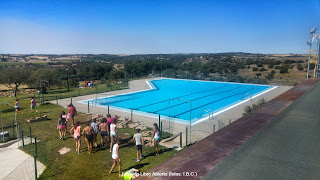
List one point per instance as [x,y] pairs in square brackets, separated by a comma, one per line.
[287,148]
[16,164]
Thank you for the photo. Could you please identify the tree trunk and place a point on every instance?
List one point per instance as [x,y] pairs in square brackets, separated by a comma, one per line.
[15,92]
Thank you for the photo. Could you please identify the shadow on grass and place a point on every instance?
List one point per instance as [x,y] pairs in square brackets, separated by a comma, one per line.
[9,110]
[137,166]
[160,152]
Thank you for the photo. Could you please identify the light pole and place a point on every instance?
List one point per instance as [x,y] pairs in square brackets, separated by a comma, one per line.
[310,44]
[313,30]
[318,64]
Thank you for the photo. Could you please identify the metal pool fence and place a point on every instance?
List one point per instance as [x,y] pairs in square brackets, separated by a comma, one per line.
[57,94]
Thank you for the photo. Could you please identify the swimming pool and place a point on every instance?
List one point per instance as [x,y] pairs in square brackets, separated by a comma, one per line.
[177,98]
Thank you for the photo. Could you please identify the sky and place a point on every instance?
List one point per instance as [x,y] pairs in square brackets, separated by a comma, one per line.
[156,26]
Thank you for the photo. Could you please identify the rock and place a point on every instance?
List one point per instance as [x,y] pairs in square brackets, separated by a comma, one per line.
[148,141]
[133,125]
[43,118]
[146,133]
[64,150]
[120,126]
[141,127]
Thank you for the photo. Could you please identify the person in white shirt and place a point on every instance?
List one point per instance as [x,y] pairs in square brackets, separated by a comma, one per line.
[116,157]
[139,142]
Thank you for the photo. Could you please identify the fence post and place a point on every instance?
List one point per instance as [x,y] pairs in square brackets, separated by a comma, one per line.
[229,121]
[30,136]
[71,99]
[180,139]
[131,116]
[22,138]
[88,106]
[186,135]
[57,100]
[96,89]
[13,129]
[214,128]
[161,129]
[108,109]
[40,97]
[35,146]
[60,93]
[35,168]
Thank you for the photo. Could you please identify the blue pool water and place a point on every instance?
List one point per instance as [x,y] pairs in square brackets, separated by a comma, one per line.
[203,95]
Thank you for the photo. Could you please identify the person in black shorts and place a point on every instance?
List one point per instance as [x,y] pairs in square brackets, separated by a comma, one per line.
[88,132]
[139,142]
[104,129]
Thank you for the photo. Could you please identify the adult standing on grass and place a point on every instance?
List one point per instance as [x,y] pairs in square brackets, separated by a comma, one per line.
[139,142]
[116,157]
[156,137]
[75,132]
[72,112]
[88,133]
[113,133]
[62,126]
[104,130]
[33,104]
[17,105]
[95,126]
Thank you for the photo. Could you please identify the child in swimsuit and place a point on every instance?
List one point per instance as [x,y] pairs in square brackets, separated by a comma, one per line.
[156,137]
[116,157]
[75,132]
[113,132]
[103,128]
[62,127]
[88,132]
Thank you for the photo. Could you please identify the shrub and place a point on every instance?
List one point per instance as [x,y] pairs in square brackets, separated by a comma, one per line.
[254,69]
[262,69]
[284,69]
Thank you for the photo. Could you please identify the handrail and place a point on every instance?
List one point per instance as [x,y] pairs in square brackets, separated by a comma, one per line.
[205,110]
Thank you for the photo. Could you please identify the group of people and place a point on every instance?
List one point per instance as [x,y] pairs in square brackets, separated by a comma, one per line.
[108,132]
[33,105]
[63,120]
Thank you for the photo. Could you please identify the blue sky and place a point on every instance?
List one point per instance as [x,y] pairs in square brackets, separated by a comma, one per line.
[156,26]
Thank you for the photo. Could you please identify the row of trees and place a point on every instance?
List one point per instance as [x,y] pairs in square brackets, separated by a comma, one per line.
[14,76]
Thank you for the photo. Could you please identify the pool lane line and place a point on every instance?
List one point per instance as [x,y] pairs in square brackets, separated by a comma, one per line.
[197,99]
[179,97]
[228,107]
[213,102]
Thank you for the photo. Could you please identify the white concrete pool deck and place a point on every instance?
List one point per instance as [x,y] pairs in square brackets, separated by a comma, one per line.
[198,131]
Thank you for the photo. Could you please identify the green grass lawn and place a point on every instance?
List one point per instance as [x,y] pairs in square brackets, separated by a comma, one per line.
[71,165]
[73,92]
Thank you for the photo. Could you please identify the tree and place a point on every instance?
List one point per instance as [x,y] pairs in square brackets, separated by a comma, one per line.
[14,77]
[47,74]
[284,69]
